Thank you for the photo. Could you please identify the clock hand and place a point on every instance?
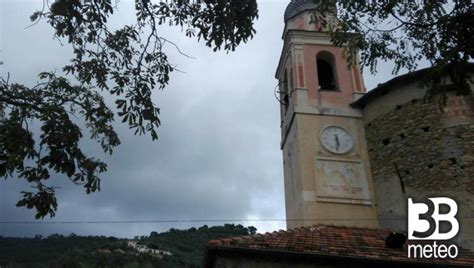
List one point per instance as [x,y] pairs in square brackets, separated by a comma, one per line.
[337,142]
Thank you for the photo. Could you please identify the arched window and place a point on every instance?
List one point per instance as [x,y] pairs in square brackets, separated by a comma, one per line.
[326,75]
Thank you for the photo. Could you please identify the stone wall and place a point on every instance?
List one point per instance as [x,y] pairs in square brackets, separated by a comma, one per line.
[418,151]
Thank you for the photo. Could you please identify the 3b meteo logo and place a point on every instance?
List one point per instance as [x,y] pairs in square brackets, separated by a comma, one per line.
[424,224]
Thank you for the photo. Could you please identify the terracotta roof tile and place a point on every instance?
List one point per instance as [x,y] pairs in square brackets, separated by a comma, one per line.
[334,240]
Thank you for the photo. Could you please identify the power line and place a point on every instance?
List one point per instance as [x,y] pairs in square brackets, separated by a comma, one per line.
[201,220]
[169,221]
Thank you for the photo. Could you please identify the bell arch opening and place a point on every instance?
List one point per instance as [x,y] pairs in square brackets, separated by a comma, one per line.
[326,71]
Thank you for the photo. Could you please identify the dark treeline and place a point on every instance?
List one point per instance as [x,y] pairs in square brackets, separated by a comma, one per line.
[186,246]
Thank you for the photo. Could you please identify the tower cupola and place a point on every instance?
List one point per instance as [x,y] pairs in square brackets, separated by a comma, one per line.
[307,15]
[296,7]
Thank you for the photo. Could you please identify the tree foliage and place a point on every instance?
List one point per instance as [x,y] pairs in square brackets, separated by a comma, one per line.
[126,64]
[406,32]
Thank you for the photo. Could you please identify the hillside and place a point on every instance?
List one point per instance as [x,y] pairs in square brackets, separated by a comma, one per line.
[185,246]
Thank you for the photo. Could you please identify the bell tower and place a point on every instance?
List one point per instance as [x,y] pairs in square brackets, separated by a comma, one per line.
[326,164]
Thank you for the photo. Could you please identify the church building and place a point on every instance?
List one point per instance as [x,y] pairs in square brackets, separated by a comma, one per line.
[351,158]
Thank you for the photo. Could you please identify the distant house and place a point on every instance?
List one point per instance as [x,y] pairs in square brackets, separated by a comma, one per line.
[321,246]
[144,249]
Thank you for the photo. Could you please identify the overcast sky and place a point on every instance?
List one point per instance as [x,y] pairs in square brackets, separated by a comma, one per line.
[218,155]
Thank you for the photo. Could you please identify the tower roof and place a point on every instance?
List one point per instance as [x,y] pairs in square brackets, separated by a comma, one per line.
[296,7]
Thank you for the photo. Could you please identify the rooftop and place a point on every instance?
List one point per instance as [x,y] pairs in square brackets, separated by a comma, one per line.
[336,241]
[384,88]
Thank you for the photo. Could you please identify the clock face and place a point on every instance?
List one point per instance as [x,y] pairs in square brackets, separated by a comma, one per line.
[336,139]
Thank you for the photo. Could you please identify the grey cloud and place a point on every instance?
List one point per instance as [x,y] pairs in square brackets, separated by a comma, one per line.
[218,155]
